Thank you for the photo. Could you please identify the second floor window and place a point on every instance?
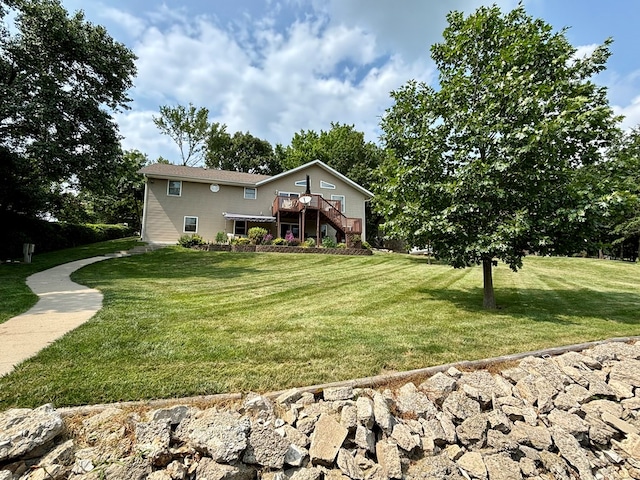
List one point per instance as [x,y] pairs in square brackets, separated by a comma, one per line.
[174,188]
[250,193]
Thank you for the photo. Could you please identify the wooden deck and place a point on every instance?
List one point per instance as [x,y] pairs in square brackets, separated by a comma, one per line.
[329,210]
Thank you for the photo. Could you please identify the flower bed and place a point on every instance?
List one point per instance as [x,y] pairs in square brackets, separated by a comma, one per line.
[282,249]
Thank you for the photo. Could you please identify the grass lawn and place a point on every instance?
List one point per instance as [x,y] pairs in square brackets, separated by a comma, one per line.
[179,322]
[16,297]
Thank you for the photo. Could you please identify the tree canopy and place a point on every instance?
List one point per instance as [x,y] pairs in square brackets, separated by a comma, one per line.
[341,147]
[188,127]
[61,77]
[241,152]
[486,166]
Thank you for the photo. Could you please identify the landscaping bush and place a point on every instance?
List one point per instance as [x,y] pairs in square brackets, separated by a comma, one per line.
[308,243]
[268,238]
[341,245]
[257,234]
[51,236]
[328,242]
[241,241]
[188,241]
[366,245]
[279,241]
[221,237]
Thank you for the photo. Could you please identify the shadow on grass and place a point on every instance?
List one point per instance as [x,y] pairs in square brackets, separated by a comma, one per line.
[557,306]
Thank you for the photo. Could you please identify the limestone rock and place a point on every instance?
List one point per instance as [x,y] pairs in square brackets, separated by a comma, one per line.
[598,407]
[153,439]
[555,465]
[473,464]
[173,415]
[460,406]
[295,455]
[573,396]
[258,405]
[382,413]
[619,424]
[347,464]
[626,371]
[337,393]
[571,451]
[613,351]
[438,387]
[410,400]
[537,437]
[541,367]
[309,473]
[23,430]
[290,396]
[485,384]
[327,440]
[389,459]
[501,467]
[349,417]
[405,439]
[210,470]
[365,439]
[501,442]
[293,435]
[364,407]
[570,422]
[473,431]
[526,414]
[221,435]
[265,447]
[61,455]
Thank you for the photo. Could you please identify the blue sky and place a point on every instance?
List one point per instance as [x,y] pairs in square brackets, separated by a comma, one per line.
[274,67]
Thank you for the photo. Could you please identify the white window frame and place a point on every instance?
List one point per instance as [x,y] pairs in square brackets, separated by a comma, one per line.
[169,194]
[184,224]
[343,201]
[255,193]
[289,194]
[327,185]
[301,183]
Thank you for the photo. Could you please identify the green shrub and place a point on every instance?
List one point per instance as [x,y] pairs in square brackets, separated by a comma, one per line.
[188,241]
[221,237]
[341,245]
[256,234]
[279,241]
[241,241]
[366,245]
[51,236]
[328,242]
[308,243]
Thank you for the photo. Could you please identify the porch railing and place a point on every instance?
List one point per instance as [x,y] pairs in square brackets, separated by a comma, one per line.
[330,209]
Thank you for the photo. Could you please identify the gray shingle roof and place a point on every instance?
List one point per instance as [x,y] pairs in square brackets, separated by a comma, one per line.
[201,174]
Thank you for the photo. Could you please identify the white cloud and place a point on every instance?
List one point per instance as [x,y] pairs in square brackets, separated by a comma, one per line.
[133,25]
[631,113]
[585,50]
[269,82]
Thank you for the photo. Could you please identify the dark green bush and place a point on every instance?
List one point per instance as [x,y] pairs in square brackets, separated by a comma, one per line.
[51,236]
[188,241]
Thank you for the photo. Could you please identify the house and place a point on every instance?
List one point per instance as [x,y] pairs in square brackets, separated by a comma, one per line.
[313,199]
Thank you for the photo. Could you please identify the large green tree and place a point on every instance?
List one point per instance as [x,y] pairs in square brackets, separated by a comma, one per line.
[484,167]
[240,152]
[118,199]
[61,78]
[341,147]
[188,127]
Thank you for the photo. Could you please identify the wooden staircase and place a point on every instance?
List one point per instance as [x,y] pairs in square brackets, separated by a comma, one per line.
[329,210]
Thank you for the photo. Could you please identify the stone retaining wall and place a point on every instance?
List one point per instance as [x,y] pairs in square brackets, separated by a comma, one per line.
[282,249]
[575,415]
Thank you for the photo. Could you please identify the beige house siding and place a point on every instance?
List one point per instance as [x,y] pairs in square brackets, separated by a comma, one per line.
[164,215]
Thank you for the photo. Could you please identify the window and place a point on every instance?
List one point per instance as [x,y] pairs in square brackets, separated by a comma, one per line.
[342,201]
[190,224]
[240,227]
[327,185]
[301,183]
[174,188]
[288,194]
[250,193]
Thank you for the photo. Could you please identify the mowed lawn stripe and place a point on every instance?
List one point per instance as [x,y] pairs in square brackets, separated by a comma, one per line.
[178,322]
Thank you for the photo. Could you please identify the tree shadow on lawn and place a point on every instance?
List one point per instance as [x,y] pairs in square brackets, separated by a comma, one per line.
[556,306]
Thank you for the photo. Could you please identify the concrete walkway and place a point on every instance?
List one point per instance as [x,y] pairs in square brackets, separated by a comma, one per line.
[62,306]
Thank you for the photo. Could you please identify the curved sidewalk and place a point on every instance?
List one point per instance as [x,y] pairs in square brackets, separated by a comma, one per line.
[62,306]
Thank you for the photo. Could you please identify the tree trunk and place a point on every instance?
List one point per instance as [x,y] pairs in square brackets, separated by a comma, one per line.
[489,300]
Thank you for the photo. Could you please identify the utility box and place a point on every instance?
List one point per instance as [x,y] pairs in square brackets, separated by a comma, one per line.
[28,249]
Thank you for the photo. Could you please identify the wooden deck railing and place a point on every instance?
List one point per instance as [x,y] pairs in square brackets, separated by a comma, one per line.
[330,209]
